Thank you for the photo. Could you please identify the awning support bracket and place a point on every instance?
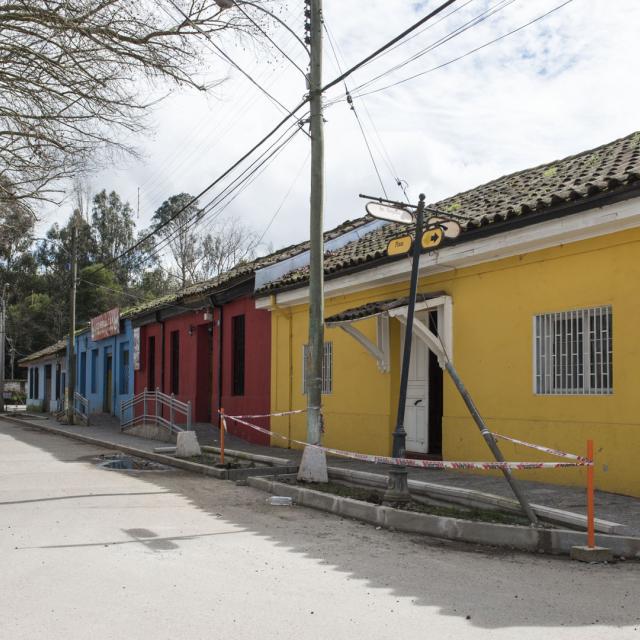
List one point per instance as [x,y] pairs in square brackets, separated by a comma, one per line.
[379,351]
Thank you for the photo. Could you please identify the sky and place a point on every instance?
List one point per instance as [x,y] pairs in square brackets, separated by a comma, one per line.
[561,85]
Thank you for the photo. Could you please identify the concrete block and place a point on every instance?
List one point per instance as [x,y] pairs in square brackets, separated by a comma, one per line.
[313,466]
[318,500]
[591,554]
[360,511]
[187,445]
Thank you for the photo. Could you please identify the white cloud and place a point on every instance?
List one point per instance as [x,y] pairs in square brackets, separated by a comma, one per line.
[562,85]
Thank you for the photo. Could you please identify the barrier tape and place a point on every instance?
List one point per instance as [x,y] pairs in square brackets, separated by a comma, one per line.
[276,414]
[553,452]
[422,464]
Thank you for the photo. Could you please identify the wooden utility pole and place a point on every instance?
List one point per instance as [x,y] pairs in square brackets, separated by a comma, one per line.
[71,363]
[313,465]
[3,337]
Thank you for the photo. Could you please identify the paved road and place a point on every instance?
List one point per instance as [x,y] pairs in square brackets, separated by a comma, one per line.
[91,553]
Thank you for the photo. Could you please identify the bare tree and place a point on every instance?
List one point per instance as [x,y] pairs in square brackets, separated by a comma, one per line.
[199,255]
[228,244]
[72,76]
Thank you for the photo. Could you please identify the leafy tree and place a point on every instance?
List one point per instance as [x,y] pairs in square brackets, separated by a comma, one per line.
[98,291]
[179,216]
[113,231]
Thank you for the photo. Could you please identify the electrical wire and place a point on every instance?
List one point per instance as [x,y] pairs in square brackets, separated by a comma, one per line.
[286,118]
[468,53]
[473,22]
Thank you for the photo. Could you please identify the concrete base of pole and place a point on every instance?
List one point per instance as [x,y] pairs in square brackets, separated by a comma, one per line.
[313,466]
[591,554]
[187,445]
[397,492]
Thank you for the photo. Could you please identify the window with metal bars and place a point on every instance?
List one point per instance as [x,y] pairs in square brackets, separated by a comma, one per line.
[237,336]
[327,367]
[573,352]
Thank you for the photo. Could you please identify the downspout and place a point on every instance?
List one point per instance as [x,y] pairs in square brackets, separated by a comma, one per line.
[212,299]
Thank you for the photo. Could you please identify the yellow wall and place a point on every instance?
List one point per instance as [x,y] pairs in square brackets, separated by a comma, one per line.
[493,308]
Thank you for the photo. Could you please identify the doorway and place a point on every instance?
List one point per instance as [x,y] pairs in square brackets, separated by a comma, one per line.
[423,408]
[108,382]
[48,406]
[204,373]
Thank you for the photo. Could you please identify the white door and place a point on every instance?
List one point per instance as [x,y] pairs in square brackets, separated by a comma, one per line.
[416,414]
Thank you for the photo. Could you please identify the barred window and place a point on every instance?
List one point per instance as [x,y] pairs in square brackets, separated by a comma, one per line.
[573,352]
[327,367]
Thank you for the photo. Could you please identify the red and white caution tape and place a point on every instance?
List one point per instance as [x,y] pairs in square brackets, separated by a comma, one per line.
[553,452]
[423,464]
[276,414]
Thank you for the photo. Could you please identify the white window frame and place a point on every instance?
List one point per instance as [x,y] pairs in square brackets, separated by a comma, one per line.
[578,360]
[327,368]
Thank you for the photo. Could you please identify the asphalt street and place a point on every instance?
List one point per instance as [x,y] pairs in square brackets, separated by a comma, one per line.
[88,552]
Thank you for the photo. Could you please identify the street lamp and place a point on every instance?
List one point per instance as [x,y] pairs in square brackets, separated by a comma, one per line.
[437,228]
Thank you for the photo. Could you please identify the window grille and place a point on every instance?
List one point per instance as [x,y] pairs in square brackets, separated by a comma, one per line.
[327,367]
[573,352]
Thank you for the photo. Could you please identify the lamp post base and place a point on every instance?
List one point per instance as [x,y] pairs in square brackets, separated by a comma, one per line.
[397,492]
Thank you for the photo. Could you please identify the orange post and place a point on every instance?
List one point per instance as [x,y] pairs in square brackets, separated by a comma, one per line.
[222,430]
[591,534]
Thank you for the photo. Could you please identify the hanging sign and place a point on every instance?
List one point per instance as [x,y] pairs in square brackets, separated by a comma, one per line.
[451,228]
[398,246]
[105,325]
[431,238]
[136,349]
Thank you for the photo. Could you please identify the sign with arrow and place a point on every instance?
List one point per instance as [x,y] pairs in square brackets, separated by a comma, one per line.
[431,238]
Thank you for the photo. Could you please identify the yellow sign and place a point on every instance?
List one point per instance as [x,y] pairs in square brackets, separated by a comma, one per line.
[398,246]
[431,238]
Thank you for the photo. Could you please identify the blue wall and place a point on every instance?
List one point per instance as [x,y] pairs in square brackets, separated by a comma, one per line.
[91,369]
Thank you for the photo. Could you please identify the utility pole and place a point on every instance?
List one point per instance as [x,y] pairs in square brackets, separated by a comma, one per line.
[71,364]
[314,466]
[3,324]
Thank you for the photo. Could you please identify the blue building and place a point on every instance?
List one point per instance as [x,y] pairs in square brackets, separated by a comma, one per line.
[105,363]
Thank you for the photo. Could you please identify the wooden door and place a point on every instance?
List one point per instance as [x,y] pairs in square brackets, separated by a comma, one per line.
[416,414]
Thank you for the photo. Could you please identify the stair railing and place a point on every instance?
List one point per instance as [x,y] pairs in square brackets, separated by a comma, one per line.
[153,411]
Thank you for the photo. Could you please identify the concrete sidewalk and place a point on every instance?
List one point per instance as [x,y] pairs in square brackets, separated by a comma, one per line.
[624,510]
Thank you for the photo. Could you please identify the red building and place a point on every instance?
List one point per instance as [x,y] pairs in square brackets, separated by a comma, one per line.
[208,345]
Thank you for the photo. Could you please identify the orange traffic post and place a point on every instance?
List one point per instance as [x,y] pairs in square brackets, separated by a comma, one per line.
[223,428]
[591,535]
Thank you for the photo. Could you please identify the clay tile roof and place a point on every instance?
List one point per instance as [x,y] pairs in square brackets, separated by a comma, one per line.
[371,309]
[236,273]
[49,351]
[606,169]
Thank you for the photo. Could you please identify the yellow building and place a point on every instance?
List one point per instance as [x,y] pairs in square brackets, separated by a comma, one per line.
[537,304]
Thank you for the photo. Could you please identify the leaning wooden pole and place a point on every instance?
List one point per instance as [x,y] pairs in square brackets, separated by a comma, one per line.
[491,443]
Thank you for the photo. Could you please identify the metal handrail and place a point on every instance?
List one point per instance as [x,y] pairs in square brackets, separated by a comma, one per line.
[160,401]
[83,412]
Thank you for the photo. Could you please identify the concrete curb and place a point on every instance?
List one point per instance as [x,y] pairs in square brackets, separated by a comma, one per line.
[478,499]
[186,465]
[555,541]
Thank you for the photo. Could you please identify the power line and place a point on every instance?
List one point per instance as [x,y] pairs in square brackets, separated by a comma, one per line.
[468,53]
[286,196]
[238,182]
[287,117]
[387,45]
[355,113]
[473,22]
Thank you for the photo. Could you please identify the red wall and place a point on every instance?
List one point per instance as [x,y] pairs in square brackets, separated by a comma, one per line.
[194,364]
[257,381]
